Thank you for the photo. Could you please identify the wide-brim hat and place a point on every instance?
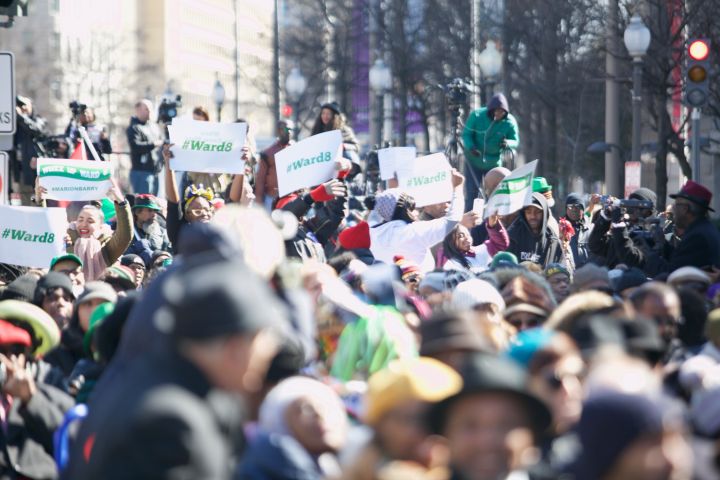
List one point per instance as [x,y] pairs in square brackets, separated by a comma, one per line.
[44,329]
[486,373]
[696,193]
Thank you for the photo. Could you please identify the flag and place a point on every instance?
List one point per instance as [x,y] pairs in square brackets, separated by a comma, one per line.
[514,192]
[79,153]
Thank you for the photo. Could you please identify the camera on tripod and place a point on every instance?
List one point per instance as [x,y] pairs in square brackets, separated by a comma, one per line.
[168,109]
[77,108]
[457,92]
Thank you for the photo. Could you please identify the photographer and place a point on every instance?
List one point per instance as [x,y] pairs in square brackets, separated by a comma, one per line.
[145,141]
[28,144]
[84,116]
[623,233]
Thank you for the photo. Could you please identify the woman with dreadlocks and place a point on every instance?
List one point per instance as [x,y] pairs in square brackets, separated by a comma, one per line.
[400,232]
[460,254]
[196,203]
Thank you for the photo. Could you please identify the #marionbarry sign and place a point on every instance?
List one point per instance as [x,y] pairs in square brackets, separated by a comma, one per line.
[76,180]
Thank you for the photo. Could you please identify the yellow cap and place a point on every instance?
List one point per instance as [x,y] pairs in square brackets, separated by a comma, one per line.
[424,379]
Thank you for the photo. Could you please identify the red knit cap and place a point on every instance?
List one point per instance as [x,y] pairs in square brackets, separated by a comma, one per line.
[355,237]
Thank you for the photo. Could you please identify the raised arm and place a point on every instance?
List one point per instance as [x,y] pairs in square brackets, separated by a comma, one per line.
[171,188]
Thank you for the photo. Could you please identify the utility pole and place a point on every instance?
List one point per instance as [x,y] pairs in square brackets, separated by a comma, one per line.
[375,118]
[695,153]
[276,65]
[476,46]
[613,163]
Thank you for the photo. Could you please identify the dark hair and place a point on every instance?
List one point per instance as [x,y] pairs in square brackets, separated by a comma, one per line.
[341,260]
[451,251]
[201,111]
[691,331]
[648,290]
[404,206]
[337,122]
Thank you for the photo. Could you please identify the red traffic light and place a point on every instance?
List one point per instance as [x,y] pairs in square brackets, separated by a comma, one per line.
[699,50]
[287,111]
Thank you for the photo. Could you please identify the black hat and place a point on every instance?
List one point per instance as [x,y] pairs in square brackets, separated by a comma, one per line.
[215,299]
[22,288]
[484,373]
[51,281]
[131,259]
[334,106]
[574,199]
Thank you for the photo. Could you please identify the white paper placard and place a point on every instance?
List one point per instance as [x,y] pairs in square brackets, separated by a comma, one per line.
[390,159]
[309,162]
[76,180]
[207,147]
[429,181]
[514,192]
[31,236]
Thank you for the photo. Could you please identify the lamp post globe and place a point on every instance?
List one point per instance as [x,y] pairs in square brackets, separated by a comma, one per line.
[295,84]
[636,37]
[218,95]
[490,60]
[380,77]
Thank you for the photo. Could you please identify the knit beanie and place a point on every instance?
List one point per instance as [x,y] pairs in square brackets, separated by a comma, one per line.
[407,267]
[574,199]
[355,237]
[473,292]
[644,194]
[386,202]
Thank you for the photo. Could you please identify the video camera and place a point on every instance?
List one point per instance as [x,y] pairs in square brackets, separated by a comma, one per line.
[457,92]
[77,108]
[168,109]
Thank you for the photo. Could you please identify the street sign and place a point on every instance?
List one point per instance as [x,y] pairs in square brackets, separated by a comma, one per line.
[7,93]
[4,178]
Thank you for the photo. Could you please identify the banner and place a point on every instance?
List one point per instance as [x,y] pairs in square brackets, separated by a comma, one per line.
[428,180]
[207,147]
[309,162]
[76,180]
[390,158]
[31,236]
[514,192]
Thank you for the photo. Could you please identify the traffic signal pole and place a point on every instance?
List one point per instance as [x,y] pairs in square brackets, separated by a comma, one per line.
[695,152]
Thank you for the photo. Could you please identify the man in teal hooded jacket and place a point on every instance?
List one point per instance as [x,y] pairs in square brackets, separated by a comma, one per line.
[488,132]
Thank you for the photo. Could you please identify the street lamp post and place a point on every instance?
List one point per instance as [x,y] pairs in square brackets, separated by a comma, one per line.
[380,83]
[490,61]
[218,95]
[295,85]
[637,41]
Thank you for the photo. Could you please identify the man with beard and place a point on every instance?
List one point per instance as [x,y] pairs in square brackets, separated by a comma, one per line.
[531,238]
[150,236]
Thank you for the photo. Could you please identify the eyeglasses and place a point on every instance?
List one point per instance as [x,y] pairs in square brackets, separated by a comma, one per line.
[575,206]
[71,272]
[137,266]
[198,212]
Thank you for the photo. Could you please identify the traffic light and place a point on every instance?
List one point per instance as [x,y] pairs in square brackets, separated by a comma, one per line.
[697,73]
[287,110]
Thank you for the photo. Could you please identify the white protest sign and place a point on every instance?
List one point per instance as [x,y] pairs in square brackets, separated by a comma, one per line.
[513,193]
[76,180]
[429,181]
[207,147]
[390,158]
[308,163]
[8,114]
[31,236]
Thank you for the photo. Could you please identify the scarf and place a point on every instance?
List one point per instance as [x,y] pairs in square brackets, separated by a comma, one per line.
[90,252]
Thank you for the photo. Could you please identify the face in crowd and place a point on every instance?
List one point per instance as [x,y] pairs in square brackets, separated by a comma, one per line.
[58,304]
[199,210]
[560,285]
[437,210]
[74,271]
[462,239]
[327,116]
[88,222]
[144,216]
[534,217]
[574,212]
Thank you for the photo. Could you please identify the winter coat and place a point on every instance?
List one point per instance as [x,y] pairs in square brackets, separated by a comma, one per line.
[27,442]
[144,155]
[699,246]
[542,249]
[113,246]
[413,240]
[278,456]
[66,355]
[266,182]
[579,241]
[164,421]
[483,133]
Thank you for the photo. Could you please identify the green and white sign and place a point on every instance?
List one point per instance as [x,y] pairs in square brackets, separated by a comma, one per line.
[308,163]
[74,179]
[514,192]
[207,147]
[31,236]
[428,179]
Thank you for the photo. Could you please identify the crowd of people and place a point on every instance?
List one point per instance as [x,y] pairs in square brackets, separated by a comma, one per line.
[226,332]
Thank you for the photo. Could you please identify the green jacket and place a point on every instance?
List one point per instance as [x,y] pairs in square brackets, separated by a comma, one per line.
[486,135]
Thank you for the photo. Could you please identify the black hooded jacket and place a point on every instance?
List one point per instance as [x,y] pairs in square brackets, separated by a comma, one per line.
[542,249]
